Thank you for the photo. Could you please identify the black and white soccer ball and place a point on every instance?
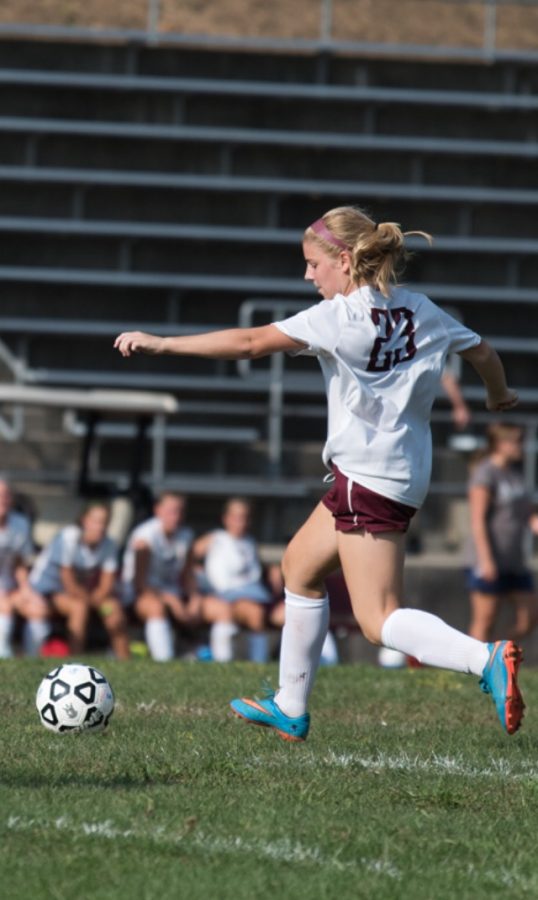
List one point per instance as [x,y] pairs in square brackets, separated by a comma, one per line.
[75,698]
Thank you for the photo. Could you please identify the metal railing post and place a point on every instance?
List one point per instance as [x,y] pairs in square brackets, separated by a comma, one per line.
[275,414]
[490,28]
[326,21]
[158,452]
[152,20]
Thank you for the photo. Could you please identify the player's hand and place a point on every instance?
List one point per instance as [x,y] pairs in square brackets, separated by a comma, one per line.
[130,342]
[461,416]
[500,402]
[488,570]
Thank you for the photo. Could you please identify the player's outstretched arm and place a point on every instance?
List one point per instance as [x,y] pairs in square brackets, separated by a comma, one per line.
[488,364]
[232,343]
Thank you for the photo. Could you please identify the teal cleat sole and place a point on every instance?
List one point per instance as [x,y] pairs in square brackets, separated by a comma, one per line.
[499,679]
[267,714]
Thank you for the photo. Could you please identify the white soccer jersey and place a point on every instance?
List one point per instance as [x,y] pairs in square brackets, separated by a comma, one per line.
[232,562]
[382,360]
[15,545]
[168,554]
[67,550]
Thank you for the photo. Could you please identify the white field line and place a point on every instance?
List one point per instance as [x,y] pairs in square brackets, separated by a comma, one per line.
[280,850]
[435,764]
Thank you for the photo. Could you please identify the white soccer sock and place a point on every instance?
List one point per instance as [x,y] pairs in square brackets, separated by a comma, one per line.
[221,641]
[303,636]
[433,642]
[160,639]
[258,647]
[6,627]
[329,651]
[34,633]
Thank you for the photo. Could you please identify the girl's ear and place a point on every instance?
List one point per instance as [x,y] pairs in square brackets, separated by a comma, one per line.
[345,262]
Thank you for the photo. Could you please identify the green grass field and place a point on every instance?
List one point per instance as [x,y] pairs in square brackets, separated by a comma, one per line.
[407,788]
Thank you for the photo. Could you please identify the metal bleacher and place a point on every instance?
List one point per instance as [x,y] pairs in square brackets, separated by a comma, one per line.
[166,190]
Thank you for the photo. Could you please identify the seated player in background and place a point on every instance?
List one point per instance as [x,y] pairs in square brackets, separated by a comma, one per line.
[157,575]
[500,512]
[77,574]
[232,582]
[16,595]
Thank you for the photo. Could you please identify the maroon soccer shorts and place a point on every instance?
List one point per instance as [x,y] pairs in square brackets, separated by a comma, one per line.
[356,508]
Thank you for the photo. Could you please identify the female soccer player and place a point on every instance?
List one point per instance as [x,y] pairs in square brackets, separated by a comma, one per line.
[77,574]
[16,595]
[382,350]
[156,575]
[234,591]
[501,513]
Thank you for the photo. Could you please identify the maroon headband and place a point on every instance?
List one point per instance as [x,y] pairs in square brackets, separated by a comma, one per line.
[319,227]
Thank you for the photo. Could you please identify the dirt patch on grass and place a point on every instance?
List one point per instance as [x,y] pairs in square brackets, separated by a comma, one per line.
[436,22]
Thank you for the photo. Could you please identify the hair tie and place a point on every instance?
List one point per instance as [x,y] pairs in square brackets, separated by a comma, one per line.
[319,227]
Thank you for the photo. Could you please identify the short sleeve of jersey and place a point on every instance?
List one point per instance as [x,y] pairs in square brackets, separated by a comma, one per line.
[64,547]
[460,338]
[318,327]
[482,476]
[26,547]
[110,556]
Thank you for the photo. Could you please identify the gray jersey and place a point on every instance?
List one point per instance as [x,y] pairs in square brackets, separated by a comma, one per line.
[507,516]
[68,550]
[15,546]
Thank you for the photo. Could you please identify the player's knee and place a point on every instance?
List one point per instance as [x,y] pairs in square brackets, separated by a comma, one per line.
[78,609]
[290,564]
[112,614]
[36,611]
[256,618]
[371,629]
[150,607]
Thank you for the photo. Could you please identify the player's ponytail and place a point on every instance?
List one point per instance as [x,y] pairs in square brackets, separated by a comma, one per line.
[378,253]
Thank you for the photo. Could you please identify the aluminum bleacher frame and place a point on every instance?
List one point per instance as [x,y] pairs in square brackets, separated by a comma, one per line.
[332,93]
[449,243]
[269,137]
[252,392]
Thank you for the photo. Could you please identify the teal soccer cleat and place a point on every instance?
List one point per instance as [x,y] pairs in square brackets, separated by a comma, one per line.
[499,679]
[267,713]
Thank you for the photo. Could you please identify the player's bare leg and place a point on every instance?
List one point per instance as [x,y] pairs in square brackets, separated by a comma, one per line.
[526,613]
[113,618]
[484,610]
[310,557]
[253,617]
[6,625]
[76,611]
[34,609]
[373,568]
[219,614]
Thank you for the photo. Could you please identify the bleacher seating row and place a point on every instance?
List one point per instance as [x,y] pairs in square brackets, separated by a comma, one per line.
[142,185]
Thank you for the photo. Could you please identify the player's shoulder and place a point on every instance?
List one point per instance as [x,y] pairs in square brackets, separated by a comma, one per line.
[147,528]
[485,472]
[69,534]
[19,523]
[401,295]
[109,545]
[185,534]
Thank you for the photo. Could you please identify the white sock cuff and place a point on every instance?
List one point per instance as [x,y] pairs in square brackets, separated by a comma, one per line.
[386,630]
[299,602]
[226,628]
